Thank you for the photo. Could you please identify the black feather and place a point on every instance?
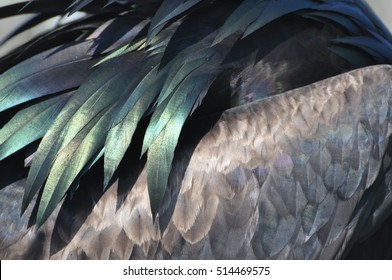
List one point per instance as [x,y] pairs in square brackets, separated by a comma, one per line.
[129,75]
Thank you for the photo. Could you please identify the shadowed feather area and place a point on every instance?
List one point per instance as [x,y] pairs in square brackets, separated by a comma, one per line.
[196,130]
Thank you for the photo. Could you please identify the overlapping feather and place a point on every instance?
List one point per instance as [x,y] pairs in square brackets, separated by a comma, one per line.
[86,99]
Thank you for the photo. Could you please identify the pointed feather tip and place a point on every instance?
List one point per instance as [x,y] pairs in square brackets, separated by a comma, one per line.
[25,203]
[42,215]
[28,196]
[150,36]
[154,212]
[155,202]
[39,222]
[77,5]
[108,175]
[155,205]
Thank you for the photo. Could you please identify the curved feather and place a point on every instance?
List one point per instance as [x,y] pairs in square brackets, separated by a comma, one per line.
[25,26]
[161,150]
[246,205]
[103,89]
[167,74]
[71,160]
[243,16]
[167,11]
[50,72]
[125,121]
[340,19]
[29,125]
[271,11]
[78,4]
[379,50]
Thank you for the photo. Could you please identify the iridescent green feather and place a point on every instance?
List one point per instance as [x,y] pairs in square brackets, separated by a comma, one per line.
[90,95]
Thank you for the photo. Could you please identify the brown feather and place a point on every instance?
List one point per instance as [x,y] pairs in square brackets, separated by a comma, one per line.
[276,194]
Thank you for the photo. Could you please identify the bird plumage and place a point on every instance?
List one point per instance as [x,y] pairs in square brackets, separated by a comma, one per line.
[144,136]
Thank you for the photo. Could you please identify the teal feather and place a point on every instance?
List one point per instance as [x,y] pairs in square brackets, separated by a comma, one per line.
[45,74]
[104,88]
[161,150]
[160,74]
[29,125]
[125,121]
[271,12]
[167,11]
[70,161]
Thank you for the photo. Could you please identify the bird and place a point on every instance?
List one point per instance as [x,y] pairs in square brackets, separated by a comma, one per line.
[195,129]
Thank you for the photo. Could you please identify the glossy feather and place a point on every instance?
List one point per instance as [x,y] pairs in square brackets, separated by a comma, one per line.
[144,100]
[258,209]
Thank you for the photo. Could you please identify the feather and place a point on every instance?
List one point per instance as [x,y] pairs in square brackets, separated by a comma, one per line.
[29,125]
[167,11]
[34,74]
[79,116]
[77,5]
[272,12]
[137,96]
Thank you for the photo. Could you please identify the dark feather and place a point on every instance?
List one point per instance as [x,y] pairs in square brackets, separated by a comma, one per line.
[140,94]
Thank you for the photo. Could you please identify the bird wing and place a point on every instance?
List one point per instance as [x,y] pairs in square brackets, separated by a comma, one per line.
[128,85]
[303,190]
[189,49]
